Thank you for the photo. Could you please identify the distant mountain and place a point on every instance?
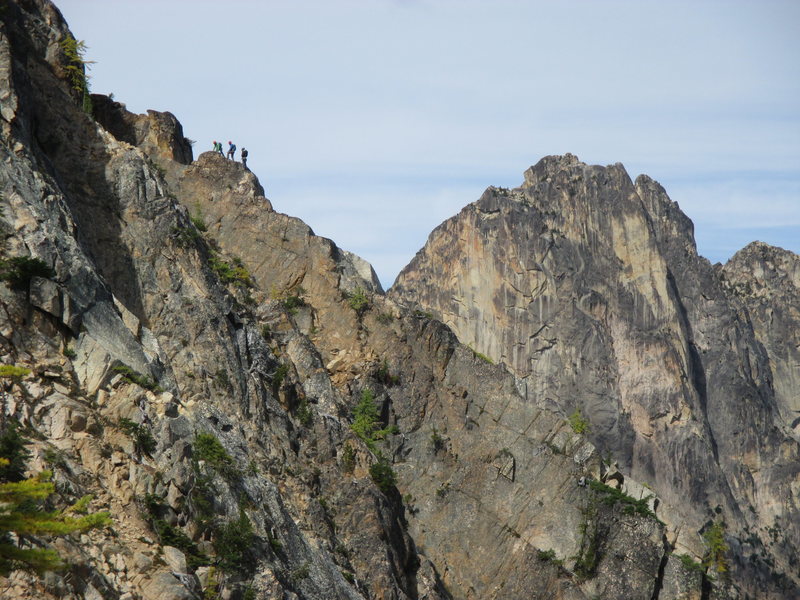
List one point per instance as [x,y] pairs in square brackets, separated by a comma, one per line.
[588,286]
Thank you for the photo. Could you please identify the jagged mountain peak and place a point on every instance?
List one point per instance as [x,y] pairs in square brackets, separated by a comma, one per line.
[588,286]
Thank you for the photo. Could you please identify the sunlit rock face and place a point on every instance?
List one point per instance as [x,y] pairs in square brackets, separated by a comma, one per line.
[643,395]
[588,286]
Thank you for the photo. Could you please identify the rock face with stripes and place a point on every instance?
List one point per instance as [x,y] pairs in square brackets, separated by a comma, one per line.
[588,286]
[261,420]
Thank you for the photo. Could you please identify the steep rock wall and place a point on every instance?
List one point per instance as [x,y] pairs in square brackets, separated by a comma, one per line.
[183,308]
[588,286]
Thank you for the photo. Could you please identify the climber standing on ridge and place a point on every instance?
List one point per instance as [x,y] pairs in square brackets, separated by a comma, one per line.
[231,149]
[244,157]
[218,147]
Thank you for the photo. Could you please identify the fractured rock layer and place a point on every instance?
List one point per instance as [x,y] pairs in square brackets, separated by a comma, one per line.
[589,287]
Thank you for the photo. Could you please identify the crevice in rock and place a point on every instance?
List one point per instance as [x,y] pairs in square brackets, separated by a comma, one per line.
[705,588]
[659,583]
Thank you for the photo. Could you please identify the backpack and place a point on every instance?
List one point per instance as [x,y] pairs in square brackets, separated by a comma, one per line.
[244,153]
[233,147]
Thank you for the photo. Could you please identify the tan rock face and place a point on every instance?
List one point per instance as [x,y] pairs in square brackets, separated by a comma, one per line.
[589,288]
[193,309]
[767,281]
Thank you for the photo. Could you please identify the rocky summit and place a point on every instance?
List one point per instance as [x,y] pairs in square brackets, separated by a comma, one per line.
[558,398]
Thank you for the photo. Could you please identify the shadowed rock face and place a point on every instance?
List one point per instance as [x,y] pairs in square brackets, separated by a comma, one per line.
[588,286]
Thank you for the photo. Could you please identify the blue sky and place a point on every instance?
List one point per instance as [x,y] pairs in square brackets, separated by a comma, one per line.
[375,120]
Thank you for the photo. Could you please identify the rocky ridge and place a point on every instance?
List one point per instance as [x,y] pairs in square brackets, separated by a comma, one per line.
[197,360]
[589,287]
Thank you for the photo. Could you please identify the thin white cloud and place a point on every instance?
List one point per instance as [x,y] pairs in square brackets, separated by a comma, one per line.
[375,120]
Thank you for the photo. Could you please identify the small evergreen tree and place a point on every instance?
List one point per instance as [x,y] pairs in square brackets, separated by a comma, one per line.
[14,453]
[75,50]
[715,557]
[15,374]
[21,513]
[19,270]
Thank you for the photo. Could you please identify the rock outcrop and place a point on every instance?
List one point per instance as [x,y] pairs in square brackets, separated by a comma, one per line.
[262,422]
[767,281]
[589,287]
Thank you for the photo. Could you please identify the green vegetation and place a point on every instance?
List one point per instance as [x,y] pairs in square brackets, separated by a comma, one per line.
[383,375]
[588,555]
[232,543]
[133,376]
[186,237]
[143,440]
[69,352]
[292,303]
[274,543]
[578,423]
[231,540]
[169,535]
[278,376]
[19,270]
[359,301]
[299,574]
[304,414]
[366,424]
[348,458]
[715,558]
[212,585]
[222,380]
[158,169]
[207,447]
[76,68]
[55,458]
[437,441]
[690,564]
[22,515]
[14,455]
[442,490]
[202,498]
[385,318]
[198,220]
[589,552]
[481,356]
[14,373]
[230,273]
[382,475]
[630,506]
[548,556]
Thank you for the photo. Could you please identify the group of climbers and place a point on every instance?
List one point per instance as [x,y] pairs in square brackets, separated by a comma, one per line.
[231,151]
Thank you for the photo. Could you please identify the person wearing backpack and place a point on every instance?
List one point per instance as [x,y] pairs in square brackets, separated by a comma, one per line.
[231,149]
[244,157]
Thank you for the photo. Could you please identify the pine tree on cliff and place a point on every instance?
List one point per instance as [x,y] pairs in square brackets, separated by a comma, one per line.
[22,516]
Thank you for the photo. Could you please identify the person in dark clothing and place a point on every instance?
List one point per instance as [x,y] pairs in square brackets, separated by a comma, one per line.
[231,149]
[244,157]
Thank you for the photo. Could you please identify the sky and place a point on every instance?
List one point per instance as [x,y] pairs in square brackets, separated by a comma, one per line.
[376,120]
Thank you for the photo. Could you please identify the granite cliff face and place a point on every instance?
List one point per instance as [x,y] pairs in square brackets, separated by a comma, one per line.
[767,281]
[589,287]
[201,364]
